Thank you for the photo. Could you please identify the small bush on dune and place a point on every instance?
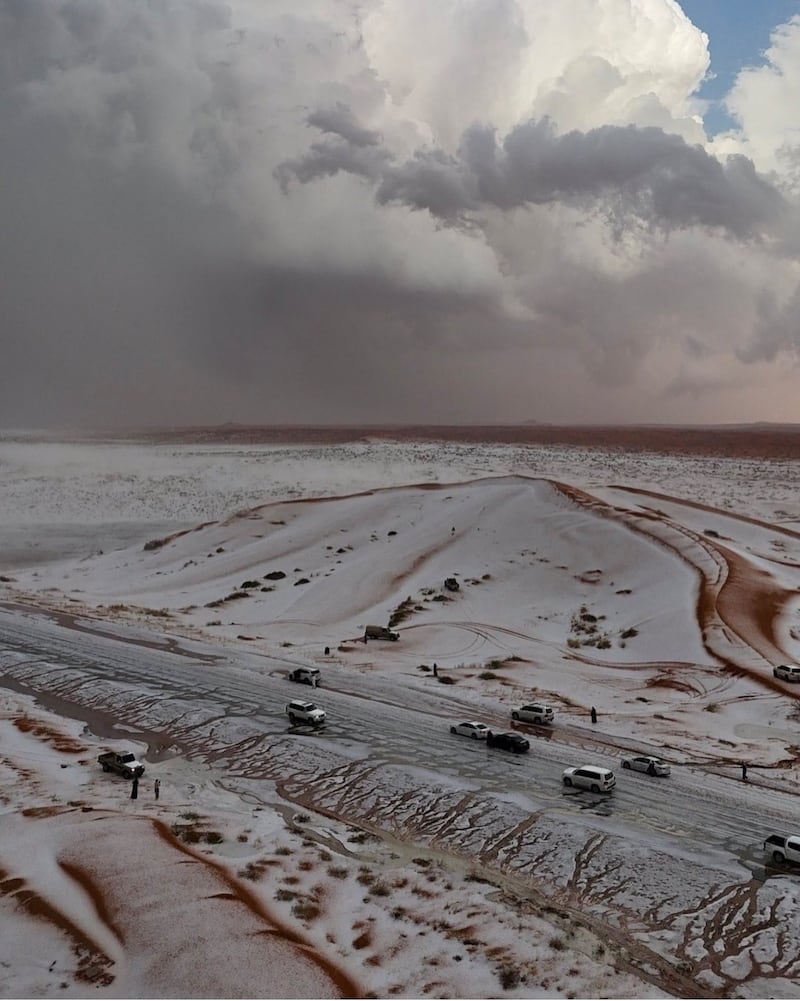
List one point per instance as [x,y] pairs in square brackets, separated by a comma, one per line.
[509,977]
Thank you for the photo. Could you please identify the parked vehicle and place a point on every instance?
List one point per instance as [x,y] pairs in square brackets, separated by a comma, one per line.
[299,711]
[513,742]
[305,676]
[126,765]
[535,712]
[589,777]
[477,731]
[787,672]
[380,633]
[451,584]
[644,763]
[783,849]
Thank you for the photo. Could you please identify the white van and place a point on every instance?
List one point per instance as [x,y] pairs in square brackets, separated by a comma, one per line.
[590,777]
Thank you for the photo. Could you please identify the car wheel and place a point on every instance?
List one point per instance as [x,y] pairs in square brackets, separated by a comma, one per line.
[106,768]
[452,729]
[126,774]
[515,716]
[626,764]
[778,857]
[567,781]
[474,736]
[595,788]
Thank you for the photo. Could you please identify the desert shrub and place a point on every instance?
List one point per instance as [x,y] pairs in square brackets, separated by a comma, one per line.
[338,871]
[283,850]
[402,612]
[361,837]
[188,815]
[283,894]
[604,643]
[588,617]
[629,633]
[572,643]
[250,871]
[304,865]
[446,680]
[247,584]
[365,877]
[487,676]
[234,595]
[212,837]
[509,977]
[398,913]
[306,910]
[380,889]
[557,944]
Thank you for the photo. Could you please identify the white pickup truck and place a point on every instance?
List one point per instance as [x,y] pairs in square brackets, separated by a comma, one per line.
[783,849]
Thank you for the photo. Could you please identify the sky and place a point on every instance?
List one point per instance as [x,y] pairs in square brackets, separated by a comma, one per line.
[379,211]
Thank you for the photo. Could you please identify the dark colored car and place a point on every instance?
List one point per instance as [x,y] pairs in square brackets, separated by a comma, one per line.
[514,742]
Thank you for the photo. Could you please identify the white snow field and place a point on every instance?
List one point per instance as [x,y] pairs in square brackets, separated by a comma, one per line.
[153,597]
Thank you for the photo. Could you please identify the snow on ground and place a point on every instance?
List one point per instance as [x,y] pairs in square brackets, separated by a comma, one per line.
[201,894]
[659,589]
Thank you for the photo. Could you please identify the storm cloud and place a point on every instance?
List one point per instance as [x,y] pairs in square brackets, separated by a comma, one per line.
[338,211]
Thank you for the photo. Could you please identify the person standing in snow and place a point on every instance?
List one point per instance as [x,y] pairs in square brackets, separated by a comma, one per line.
[135,789]
[594,715]
[157,787]
[744,772]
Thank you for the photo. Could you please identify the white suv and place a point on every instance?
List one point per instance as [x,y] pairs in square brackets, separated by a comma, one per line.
[305,712]
[533,713]
[787,672]
[590,777]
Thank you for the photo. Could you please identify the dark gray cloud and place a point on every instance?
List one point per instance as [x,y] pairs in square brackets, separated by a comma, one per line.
[238,210]
[635,172]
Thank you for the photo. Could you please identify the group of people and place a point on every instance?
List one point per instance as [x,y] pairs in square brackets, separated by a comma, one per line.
[135,788]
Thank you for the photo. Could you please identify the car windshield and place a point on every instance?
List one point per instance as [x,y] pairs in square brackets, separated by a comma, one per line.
[127,757]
